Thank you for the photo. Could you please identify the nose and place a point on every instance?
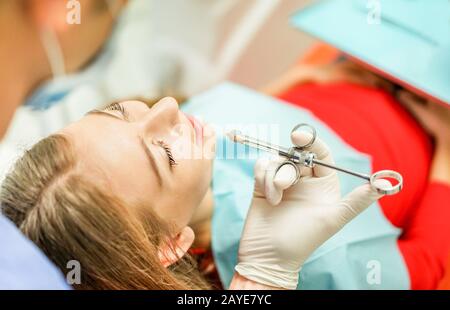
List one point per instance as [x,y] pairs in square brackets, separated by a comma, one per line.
[163,115]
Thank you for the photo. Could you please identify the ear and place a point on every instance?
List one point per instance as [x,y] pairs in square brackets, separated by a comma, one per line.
[180,245]
[50,13]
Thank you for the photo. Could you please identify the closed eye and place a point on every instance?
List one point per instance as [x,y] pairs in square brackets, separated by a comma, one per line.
[168,151]
[113,107]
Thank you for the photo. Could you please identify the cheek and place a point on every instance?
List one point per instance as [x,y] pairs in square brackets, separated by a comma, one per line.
[196,178]
[178,202]
[130,172]
[175,210]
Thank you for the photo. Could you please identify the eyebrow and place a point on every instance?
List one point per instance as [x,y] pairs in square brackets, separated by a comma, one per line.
[106,113]
[149,153]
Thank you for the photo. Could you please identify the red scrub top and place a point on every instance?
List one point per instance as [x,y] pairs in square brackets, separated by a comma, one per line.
[371,121]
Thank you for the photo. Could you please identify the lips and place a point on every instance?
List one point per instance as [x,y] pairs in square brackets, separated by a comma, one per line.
[198,129]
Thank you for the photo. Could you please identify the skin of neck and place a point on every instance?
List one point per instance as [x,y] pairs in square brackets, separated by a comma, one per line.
[23,61]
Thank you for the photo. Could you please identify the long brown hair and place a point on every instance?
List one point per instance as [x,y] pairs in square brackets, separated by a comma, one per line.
[71,218]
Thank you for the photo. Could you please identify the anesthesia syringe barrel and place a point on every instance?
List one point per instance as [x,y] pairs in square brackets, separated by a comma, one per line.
[295,155]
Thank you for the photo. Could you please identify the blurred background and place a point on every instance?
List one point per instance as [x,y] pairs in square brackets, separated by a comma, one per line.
[159,48]
[210,41]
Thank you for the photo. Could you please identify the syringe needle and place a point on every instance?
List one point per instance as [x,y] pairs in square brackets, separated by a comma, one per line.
[356,174]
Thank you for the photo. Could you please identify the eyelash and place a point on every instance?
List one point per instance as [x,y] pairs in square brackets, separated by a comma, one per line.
[117,107]
[114,107]
[166,148]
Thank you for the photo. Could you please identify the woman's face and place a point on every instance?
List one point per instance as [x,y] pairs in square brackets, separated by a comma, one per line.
[155,157]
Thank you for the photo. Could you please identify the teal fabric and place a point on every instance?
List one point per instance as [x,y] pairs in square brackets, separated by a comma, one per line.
[343,262]
[411,42]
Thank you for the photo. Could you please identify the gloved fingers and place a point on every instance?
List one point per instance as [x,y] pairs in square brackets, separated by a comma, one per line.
[359,200]
[285,177]
[306,171]
[265,176]
[272,193]
[319,148]
[321,171]
[260,173]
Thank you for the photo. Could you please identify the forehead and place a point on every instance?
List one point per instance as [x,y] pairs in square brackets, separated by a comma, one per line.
[98,135]
[109,150]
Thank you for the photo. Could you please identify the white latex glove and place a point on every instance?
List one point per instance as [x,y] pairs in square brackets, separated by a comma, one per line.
[277,240]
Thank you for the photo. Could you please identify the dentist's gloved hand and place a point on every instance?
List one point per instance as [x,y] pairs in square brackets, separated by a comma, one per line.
[286,223]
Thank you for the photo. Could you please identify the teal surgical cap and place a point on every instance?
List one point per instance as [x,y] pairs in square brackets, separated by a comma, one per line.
[407,41]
